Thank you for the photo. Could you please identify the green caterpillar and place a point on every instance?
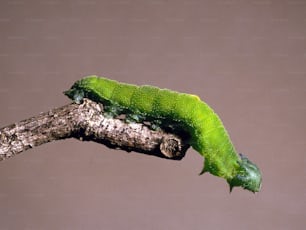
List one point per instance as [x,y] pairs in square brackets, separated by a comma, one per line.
[181,112]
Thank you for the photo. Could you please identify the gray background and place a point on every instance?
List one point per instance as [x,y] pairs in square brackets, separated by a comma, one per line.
[247,59]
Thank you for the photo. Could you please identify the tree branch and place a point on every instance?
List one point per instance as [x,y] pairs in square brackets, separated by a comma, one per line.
[86,122]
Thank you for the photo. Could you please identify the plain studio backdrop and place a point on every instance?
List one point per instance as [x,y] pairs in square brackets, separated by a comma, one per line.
[247,59]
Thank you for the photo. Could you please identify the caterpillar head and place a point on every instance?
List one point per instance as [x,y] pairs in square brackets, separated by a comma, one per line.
[248,176]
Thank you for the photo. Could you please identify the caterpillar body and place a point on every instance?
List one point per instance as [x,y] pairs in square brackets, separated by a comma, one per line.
[185,112]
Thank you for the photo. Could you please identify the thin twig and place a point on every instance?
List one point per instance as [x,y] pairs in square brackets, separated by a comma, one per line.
[86,122]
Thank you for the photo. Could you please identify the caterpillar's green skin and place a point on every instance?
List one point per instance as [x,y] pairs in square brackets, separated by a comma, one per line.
[193,116]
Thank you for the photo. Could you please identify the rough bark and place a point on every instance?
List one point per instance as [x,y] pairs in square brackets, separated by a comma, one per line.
[86,122]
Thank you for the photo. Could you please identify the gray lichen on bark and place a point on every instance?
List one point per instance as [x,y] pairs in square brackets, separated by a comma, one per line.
[86,122]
